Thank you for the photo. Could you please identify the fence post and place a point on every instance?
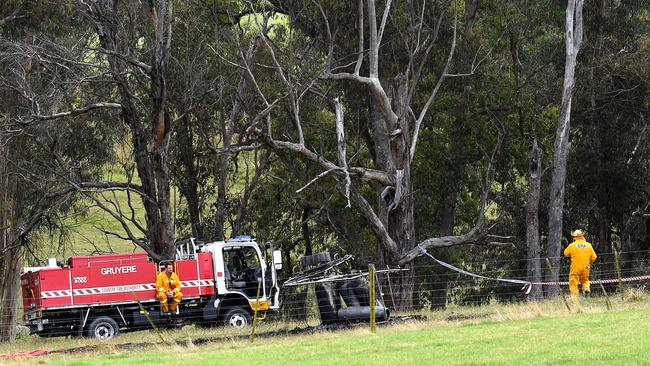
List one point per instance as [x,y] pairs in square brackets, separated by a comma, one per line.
[618,272]
[559,289]
[607,301]
[257,306]
[373,301]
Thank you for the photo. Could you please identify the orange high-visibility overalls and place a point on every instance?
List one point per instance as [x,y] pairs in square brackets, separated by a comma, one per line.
[166,283]
[582,256]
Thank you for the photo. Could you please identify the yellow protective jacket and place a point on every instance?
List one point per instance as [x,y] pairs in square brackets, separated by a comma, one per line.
[166,283]
[582,254]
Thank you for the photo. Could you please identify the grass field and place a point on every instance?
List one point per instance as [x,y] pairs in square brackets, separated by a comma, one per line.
[529,334]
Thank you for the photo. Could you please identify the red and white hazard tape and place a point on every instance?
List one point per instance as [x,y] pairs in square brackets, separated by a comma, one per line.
[118,289]
[527,284]
[609,280]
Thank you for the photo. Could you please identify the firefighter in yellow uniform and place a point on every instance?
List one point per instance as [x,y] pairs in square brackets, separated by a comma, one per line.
[168,287]
[582,256]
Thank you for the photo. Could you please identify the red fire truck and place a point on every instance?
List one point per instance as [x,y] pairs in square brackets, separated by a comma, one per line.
[96,296]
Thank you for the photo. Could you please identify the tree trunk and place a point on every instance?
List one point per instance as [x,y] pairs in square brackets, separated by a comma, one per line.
[241,218]
[439,293]
[534,270]
[573,41]
[150,149]
[306,234]
[10,217]
[190,185]
[161,127]
[604,246]
[645,244]
[10,290]
[448,211]
[227,130]
[222,188]
[395,209]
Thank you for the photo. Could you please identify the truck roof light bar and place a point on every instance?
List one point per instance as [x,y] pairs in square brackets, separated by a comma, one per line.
[242,238]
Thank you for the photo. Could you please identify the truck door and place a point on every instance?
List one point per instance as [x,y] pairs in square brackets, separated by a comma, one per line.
[243,270]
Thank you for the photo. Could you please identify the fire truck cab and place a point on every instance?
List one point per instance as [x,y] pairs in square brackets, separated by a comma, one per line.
[98,296]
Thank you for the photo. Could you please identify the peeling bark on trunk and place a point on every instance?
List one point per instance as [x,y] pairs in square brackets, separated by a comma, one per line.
[396,209]
[574,32]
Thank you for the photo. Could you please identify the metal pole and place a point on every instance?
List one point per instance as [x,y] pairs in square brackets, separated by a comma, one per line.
[371,275]
[144,312]
[257,306]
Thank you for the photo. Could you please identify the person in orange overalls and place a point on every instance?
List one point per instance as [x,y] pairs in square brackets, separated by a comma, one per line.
[168,287]
[582,256]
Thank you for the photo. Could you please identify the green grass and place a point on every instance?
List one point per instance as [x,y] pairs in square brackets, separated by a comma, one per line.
[591,338]
[540,334]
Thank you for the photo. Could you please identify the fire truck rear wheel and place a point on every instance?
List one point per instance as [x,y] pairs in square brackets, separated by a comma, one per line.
[237,318]
[103,328]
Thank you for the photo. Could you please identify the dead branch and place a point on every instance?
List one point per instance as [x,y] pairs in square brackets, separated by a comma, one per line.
[318,177]
[361,31]
[340,133]
[230,150]
[434,92]
[475,236]
[78,111]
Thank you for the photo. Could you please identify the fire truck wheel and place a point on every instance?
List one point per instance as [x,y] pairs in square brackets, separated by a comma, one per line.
[237,318]
[103,328]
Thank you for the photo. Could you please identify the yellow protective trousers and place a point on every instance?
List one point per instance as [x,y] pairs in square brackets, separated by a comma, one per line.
[165,306]
[579,277]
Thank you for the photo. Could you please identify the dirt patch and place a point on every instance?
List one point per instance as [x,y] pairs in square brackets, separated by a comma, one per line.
[460,317]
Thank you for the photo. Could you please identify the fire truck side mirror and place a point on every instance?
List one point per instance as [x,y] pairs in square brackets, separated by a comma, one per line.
[277,259]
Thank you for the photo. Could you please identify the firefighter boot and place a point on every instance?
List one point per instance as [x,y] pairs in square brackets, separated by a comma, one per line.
[164,307]
[173,307]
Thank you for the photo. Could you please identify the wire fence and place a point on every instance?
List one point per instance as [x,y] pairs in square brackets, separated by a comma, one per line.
[425,285]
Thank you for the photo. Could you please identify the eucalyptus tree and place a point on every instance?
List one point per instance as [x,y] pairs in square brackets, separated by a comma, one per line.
[99,76]
[573,40]
[315,64]
[27,164]
[608,182]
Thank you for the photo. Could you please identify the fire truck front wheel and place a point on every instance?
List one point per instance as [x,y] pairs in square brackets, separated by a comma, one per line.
[237,318]
[103,328]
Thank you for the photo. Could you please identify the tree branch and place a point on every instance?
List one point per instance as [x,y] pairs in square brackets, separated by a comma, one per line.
[357,68]
[376,225]
[137,63]
[434,92]
[76,112]
[384,18]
